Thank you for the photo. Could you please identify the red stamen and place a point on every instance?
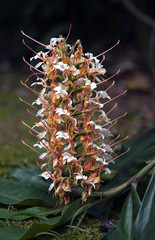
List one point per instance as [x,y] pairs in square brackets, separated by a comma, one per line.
[45,126]
[28,103]
[29,127]
[103,58]
[33,67]
[41,142]
[30,147]
[116,97]
[31,75]
[119,155]
[112,109]
[112,125]
[33,39]
[44,59]
[53,178]
[114,139]
[117,142]
[115,119]
[108,49]
[105,80]
[113,83]
[70,27]
[35,92]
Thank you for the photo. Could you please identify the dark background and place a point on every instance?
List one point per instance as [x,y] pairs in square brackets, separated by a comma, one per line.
[98,23]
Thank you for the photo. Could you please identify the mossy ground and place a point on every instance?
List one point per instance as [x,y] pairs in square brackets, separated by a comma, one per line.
[14,154]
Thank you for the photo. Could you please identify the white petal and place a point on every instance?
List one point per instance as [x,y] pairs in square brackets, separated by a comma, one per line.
[37,101]
[102,94]
[92,184]
[64,81]
[67,156]
[38,64]
[42,91]
[61,134]
[36,83]
[60,91]
[61,111]
[70,103]
[51,187]
[42,134]
[101,160]
[67,147]
[61,66]
[107,171]
[46,175]
[38,145]
[106,132]
[54,41]
[80,176]
[43,165]
[39,113]
[93,85]
[43,155]
[98,127]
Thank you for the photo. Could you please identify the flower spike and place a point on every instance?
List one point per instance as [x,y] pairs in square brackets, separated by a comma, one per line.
[75,145]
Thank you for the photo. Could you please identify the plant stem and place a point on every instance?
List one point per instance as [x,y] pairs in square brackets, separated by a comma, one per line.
[110,193]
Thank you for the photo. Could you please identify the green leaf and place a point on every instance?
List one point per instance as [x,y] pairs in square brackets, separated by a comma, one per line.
[136,201]
[129,164]
[39,228]
[11,233]
[52,223]
[129,212]
[100,210]
[144,226]
[30,176]
[141,144]
[13,192]
[50,233]
[37,212]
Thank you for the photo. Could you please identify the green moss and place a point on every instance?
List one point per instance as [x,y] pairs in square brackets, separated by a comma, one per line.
[13,152]
[89,230]
[23,224]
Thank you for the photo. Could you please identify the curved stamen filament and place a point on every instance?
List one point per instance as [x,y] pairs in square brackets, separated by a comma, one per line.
[44,59]
[113,83]
[29,127]
[33,67]
[117,142]
[33,39]
[36,93]
[118,136]
[51,175]
[108,49]
[30,147]
[111,109]
[28,104]
[119,156]
[114,119]
[70,27]
[45,126]
[116,97]
[112,125]
[105,80]
[31,75]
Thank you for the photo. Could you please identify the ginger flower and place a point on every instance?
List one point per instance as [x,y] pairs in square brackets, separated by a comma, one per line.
[73,127]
